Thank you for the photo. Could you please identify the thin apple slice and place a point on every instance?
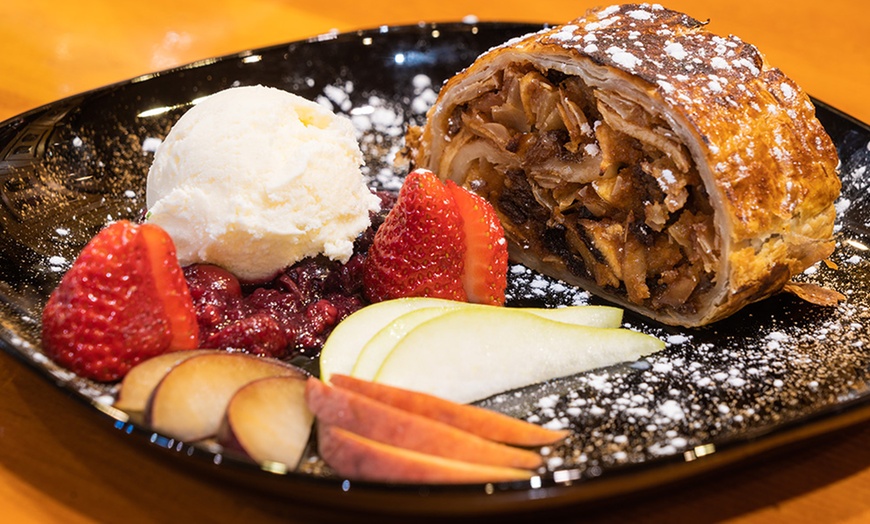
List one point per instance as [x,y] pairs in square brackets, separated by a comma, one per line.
[474,353]
[268,420]
[344,344]
[190,401]
[373,353]
[382,423]
[359,458]
[473,419]
[140,381]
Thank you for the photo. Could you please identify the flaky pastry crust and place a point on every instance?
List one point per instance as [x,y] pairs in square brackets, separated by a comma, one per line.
[722,155]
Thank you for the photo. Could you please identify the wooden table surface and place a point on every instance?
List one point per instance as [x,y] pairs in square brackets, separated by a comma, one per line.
[57,464]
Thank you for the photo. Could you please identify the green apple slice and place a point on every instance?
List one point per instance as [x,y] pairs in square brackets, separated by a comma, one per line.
[373,353]
[340,352]
[474,353]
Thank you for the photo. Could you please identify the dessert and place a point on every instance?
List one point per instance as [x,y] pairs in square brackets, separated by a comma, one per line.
[355,457]
[139,383]
[292,314]
[470,354]
[261,191]
[637,154]
[438,240]
[123,301]
[359,345]
[255,179]
[479,421]
[368,431]
[191,400]
[375,420]
[268,421]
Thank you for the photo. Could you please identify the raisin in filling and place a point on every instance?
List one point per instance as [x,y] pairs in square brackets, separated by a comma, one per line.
[591,179]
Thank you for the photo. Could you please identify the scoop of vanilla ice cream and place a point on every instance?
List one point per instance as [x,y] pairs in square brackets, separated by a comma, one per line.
[254,179]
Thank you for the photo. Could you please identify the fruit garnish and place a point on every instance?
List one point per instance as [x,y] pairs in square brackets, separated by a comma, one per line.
[419,249]
[357,457]
[269,421]
[470,354]
[485,264]
[482,422]
[375,420]
[361,342]
[143,378]
[124,300]
[190,402]
[367,432]
[433,244]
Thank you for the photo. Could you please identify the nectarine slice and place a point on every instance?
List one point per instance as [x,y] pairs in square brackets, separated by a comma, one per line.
[140,381]
[357,457]
[190,401]
[380,422]
[482,422]
[268,420]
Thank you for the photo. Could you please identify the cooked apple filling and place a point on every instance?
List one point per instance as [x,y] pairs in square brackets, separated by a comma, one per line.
[586,178]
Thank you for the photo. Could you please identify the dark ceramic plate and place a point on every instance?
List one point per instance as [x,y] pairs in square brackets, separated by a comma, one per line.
[776,373]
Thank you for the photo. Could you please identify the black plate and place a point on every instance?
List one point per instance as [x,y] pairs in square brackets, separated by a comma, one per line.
[776,373]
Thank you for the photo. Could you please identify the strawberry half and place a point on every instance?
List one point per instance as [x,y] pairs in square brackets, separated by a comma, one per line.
[485,270]
[439,240]
[419,249]
[123,301]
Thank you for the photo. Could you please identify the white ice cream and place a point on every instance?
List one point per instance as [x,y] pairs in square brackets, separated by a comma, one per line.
[254,179]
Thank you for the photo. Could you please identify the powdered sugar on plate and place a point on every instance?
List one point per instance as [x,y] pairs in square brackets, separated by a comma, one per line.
[775,362]
[771,363]
[381,124]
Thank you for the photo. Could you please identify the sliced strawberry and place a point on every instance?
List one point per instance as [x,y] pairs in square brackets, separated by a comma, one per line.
[485,269]
[169,280]
[419,250]
[123,301]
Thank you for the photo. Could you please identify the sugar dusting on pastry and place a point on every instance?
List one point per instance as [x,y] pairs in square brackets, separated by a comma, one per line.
[745,175]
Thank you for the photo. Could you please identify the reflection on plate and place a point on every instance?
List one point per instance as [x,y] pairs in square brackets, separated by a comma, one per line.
[777,372]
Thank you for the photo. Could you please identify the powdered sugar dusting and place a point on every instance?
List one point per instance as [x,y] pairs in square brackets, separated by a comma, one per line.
[772,363]
[623,57]
[675,50]
[757,369]
[381,124]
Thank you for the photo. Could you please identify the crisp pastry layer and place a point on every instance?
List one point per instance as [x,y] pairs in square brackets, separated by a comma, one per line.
[636,154]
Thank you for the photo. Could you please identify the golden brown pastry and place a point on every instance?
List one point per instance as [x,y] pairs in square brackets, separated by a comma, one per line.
[636,154]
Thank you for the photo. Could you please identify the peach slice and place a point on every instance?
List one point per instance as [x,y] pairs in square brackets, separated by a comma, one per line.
[268,420]
[140,381]
[382,423]
[479,421]
[357,457]
[190,401]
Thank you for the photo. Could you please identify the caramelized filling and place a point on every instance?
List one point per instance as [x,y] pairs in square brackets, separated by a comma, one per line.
[588,179]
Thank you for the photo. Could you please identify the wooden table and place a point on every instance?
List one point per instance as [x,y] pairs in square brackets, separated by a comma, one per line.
[58,465]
